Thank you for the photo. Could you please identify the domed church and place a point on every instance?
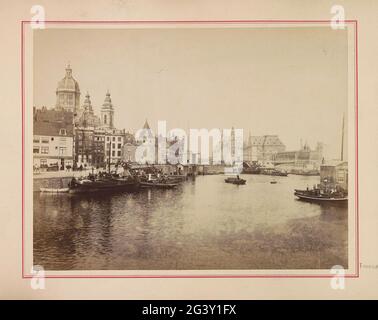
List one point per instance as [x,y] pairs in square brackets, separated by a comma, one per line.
[68,93]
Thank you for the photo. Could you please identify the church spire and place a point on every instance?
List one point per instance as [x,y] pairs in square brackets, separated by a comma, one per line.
[68,71]
[88,103]
[146,125]
[107,112]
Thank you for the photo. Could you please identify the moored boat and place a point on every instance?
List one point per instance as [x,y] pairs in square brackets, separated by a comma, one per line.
[95,183]
[322,196]
[159,185]
[273,172]
[236,180]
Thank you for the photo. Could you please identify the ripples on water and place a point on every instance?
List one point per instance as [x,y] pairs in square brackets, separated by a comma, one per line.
[202,224]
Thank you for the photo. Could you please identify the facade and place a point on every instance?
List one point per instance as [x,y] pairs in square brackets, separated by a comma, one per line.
[89,144]
[304,158]
[84,137]
[334,174]
[52,139]
[114,142]
[129,150]
[107,113]
[84,116]
[262,148]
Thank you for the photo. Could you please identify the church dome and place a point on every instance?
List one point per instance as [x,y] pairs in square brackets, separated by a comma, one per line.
[68,83]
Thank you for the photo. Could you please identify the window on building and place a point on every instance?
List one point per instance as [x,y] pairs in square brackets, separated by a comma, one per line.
[36,139]
[36,150]
[119,153]
[113,138]
[113,153]
[45,140]
[113,145]
[107,138]
[105,119]
[43,163]
[44,150]
[119,138]
[63,132]
[119,146]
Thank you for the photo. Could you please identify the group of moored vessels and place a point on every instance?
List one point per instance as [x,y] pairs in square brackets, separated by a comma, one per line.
[106,181]
[318,194]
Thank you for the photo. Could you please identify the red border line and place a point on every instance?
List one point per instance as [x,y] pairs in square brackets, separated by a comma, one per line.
[23,149]
[25,276]
[356,150]
[187,21]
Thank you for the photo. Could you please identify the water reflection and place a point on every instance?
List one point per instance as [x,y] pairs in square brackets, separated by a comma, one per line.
[202,224]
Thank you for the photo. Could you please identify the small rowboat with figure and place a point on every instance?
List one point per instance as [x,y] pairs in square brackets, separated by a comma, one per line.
[236,181]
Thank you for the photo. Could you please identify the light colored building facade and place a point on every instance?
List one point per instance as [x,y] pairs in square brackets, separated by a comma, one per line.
[114,142]
[304,158]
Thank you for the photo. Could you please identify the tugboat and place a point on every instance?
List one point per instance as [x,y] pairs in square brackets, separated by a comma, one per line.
[323,195]
[328,191]
[236,180]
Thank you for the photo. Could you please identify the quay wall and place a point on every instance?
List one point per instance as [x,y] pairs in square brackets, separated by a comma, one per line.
[51,183]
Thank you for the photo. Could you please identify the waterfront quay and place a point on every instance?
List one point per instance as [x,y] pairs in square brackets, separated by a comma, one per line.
[61,178]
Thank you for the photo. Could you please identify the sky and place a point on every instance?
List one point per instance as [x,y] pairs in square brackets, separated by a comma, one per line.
[292,82]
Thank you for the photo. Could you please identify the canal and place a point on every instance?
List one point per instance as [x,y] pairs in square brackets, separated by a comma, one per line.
[202,224]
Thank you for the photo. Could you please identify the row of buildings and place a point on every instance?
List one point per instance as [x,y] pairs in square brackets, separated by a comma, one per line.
[71,135]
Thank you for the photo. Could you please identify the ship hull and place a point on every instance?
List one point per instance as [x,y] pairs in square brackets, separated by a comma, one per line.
[322,199]
[106,186]
[158,185]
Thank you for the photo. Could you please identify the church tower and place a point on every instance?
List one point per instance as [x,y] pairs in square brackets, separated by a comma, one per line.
[68,93]
[107,113]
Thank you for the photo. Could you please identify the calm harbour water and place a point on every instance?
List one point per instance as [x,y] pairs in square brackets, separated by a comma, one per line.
[202,224]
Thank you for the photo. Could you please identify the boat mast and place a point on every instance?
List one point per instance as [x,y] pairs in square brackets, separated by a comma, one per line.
[342,141]
[110,147]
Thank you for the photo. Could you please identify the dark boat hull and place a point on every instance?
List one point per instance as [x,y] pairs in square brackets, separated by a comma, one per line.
[158,185]
[104,186]
[251,171]
[321,199]
[235,181]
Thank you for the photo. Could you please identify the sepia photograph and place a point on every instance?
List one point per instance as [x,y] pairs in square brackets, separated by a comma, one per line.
[191,148]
